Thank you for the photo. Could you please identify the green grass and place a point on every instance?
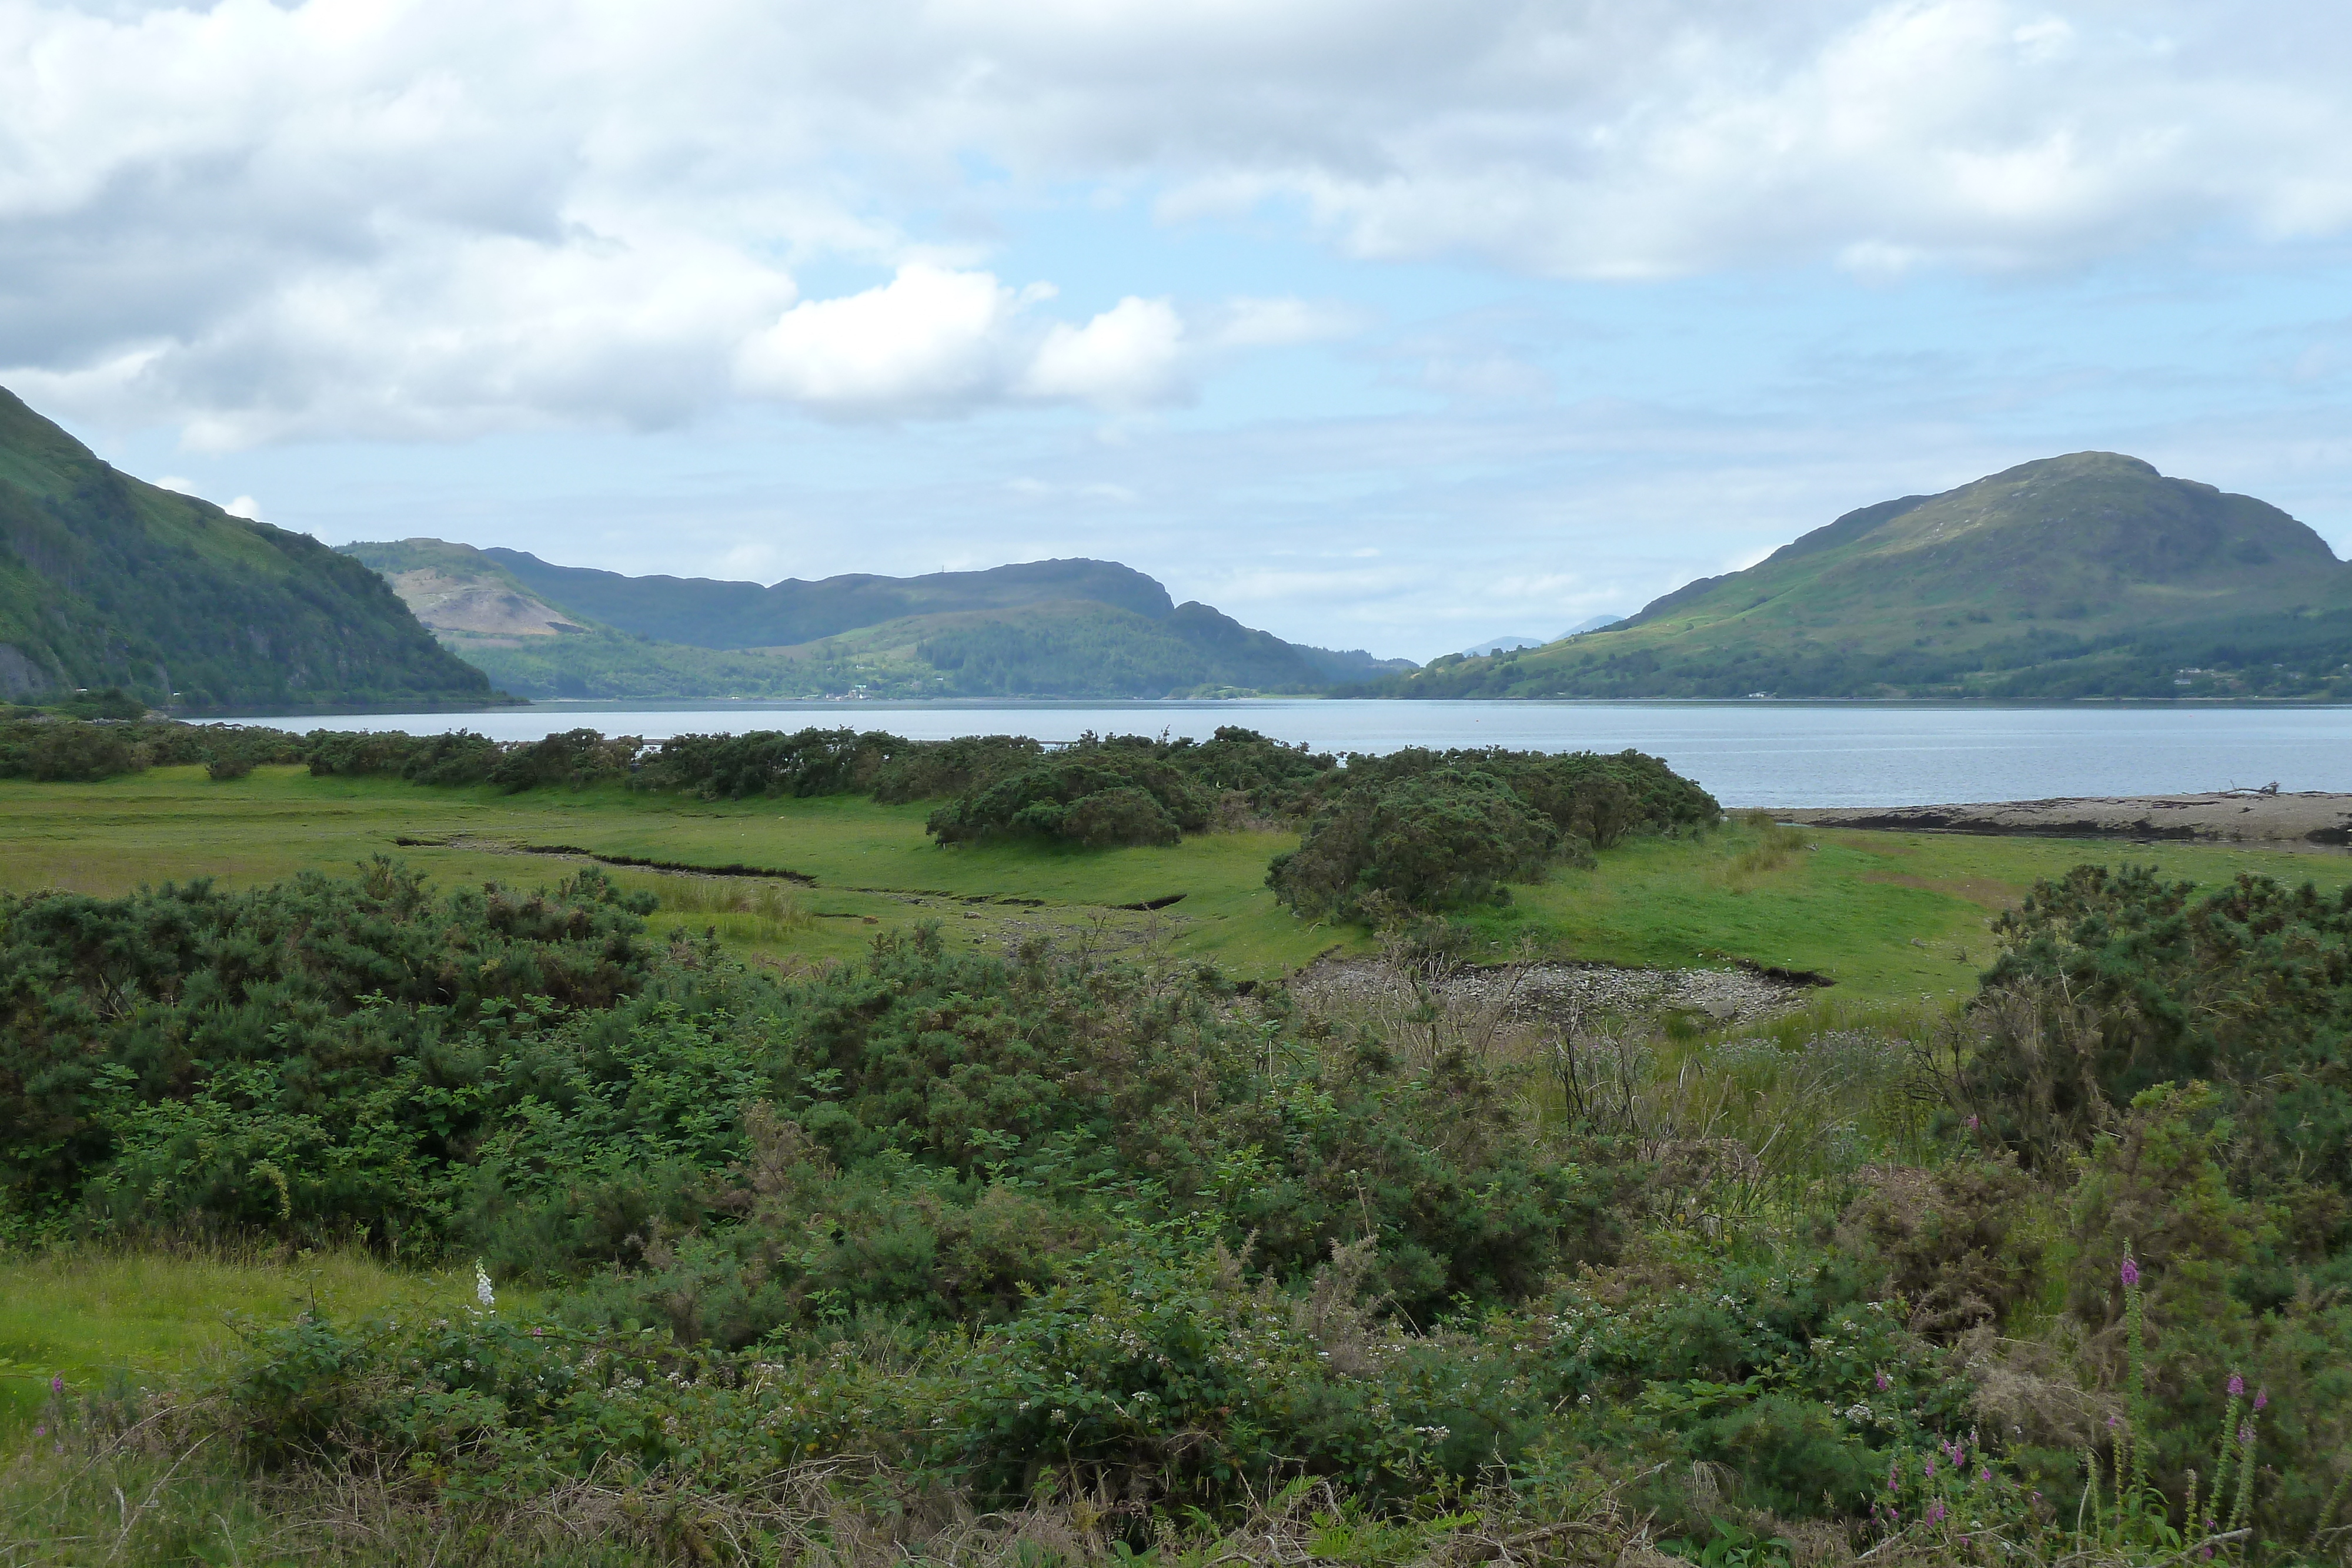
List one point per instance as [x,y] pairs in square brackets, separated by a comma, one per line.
[873,865]
[99,1319]
[1882,915]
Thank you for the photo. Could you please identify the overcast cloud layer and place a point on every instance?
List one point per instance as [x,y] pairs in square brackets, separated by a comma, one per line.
[1250,294]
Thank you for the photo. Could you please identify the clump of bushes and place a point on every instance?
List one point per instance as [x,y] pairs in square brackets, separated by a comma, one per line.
[1097,795]
[1433,831]
[1433,840]
[49,747]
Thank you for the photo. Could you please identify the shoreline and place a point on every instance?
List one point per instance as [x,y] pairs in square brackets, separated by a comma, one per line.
[2313,820]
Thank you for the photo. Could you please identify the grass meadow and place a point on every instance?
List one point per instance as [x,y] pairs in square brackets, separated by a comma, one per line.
[1880,914]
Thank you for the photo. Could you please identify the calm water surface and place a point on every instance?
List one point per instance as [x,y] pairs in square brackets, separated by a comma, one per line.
[1748,753]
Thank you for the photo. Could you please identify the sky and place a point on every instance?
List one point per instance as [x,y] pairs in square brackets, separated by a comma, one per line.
[1375,324]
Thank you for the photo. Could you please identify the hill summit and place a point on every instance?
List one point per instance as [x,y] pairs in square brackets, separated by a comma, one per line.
[2086,575]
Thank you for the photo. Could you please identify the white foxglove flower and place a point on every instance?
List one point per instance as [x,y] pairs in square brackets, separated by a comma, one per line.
[482,1291]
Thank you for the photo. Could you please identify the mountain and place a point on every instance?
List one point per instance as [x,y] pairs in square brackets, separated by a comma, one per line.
[1506,645]
[1040,629]
[2090,575]
[109,582]
[702,612]
[1592,623]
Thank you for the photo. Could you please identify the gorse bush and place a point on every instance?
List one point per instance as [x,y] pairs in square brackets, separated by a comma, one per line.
[1097,797]
[1433,831]
[46,747]
[1434,840]
[2113,983]
[304,1055]
[524,1075]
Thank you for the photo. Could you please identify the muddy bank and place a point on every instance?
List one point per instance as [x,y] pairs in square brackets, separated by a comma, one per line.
[1557,991]
[2310,820]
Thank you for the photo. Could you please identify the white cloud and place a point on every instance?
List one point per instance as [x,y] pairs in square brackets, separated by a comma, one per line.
[243,507]
[929,339]
[429,218]
[936,340]
[1128,355]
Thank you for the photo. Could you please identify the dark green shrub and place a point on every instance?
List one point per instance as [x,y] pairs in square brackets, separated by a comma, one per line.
[1594,798]
[309,1056]
[575,758]
[802,763]
[933,770]
[1125,815]
[68,750]
[459,758]
[1098,796]
[2112,982]
[1436,840]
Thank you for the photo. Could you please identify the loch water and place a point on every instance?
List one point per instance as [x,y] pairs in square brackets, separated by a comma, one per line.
[1755,753]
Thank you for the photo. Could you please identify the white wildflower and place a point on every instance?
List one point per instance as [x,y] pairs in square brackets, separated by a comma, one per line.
[482,1291]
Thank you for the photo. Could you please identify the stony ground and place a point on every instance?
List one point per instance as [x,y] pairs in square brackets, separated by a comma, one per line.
[1554,991]
[2312,819]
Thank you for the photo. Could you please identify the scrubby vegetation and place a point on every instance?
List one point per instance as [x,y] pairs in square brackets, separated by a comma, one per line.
[1429,830]
[1052,1257]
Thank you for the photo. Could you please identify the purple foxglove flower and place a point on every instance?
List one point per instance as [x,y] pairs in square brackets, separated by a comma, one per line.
[57,1383]
[1931,1467]
[2261,1398]
[2131,1275]
[2237,1386]
[1884,1383]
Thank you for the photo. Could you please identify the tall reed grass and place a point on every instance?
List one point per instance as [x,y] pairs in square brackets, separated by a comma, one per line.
[739,908]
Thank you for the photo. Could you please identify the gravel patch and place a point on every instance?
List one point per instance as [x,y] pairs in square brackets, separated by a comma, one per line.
[1555,992]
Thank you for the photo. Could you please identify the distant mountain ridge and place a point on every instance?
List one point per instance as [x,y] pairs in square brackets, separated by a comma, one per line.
[2090,575]
[1049,629]
[707,612]
[106,580]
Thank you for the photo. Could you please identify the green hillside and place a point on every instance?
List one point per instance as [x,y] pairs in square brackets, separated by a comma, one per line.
[109,582]
[702,612]
[1042,628]
[2086,576]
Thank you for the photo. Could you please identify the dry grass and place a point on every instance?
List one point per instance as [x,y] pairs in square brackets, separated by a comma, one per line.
[167,1488]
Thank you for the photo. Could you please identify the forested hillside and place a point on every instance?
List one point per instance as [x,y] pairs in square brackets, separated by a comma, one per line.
[109,582]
